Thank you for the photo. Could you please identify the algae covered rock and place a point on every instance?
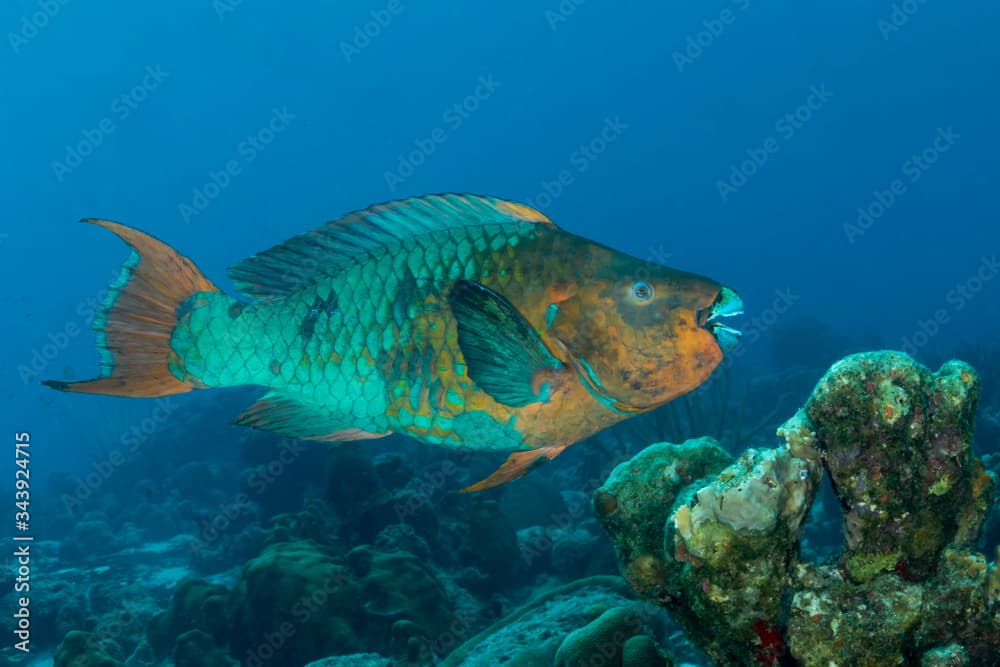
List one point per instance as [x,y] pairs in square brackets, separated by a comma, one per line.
[889,619]
[300,601]
[834,621]
[946,656]
[399,585]
[634,503]
[737,539]
[642,651]
[715,550]
[83,649]
[717,545]
[588,622]
[603,637]
[294,603]
[353,660]
[897,441]
[199,649]
[604,640]
[958,608]
[195,605]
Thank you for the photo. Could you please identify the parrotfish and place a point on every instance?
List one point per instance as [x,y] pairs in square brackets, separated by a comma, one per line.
[461,321]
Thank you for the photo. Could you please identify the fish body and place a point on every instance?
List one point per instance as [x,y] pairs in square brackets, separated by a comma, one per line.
[458,320]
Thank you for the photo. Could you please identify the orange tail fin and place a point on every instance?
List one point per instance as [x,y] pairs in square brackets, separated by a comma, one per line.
[137,317]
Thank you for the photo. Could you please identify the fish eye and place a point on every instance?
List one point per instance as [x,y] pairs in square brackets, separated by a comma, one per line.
[642,291]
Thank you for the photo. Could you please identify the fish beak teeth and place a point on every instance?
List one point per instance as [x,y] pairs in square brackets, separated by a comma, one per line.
[727,304]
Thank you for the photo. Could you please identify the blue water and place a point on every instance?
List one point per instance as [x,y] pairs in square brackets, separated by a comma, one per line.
[829,160]
[683,120]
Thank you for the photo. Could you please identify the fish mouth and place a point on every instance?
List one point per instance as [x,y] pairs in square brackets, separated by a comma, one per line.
[727,304]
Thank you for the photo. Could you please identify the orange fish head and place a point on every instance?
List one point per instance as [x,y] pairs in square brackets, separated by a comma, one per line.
[639,334]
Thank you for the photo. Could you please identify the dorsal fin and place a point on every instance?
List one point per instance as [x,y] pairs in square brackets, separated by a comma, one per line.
[327,249]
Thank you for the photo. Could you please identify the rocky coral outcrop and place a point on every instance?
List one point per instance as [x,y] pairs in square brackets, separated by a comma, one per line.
[897,442]
[717,542]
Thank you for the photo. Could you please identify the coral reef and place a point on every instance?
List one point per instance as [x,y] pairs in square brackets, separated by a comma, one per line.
[381,561]
[353,660]
[588,622]
[897,440]
[195,648]
[299,601]
[609,638]
[294,603]
[399,585]
[717,542]
[195,606]
[82,649]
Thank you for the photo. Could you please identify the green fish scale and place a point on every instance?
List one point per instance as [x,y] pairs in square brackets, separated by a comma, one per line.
[348,359]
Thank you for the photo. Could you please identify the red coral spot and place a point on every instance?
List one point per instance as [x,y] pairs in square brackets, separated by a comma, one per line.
[888,412]
[870,388]
[771,642]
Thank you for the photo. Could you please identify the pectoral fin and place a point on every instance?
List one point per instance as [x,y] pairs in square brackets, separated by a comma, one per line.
[516,465]
[503,353]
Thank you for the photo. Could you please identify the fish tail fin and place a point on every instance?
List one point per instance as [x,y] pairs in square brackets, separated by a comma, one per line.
[136,320]
[517,465]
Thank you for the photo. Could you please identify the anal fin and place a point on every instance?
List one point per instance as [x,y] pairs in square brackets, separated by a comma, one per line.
[282,414]
[516,465]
